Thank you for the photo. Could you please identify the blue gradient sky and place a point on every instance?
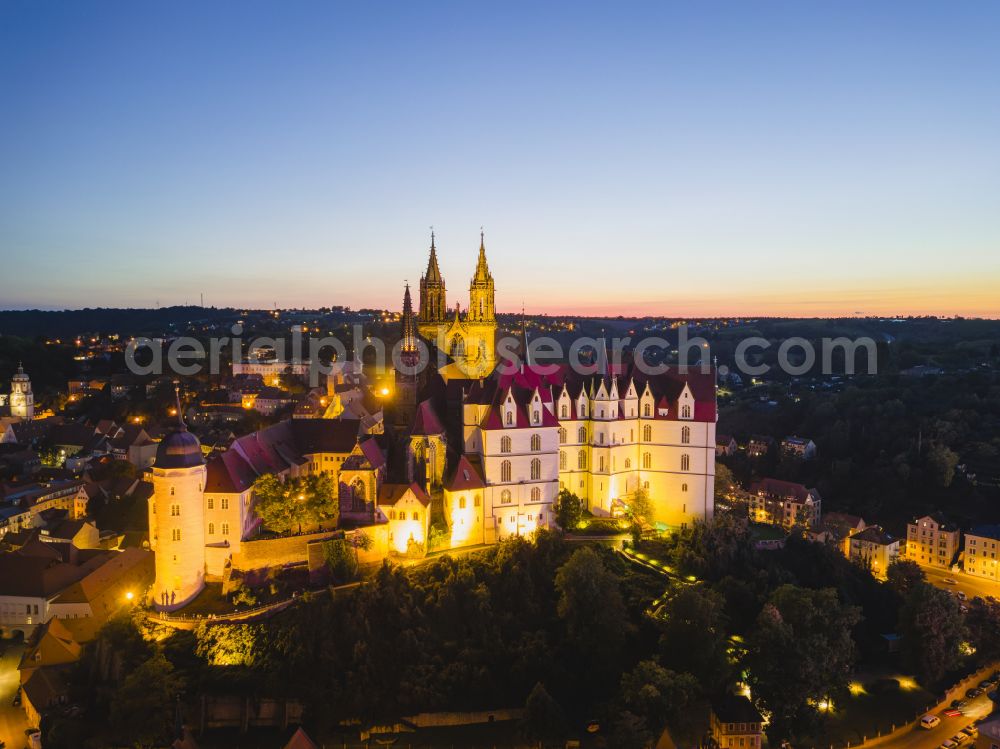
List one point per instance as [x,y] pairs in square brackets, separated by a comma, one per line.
[732,158]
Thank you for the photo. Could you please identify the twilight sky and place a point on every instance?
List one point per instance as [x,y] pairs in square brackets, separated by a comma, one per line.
[800,158]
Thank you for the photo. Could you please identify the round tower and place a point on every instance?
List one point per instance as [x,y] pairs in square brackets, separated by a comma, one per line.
[22,400]
[177,519]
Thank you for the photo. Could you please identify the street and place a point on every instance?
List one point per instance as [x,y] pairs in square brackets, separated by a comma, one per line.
[921,738]
[12,721]
[971,586]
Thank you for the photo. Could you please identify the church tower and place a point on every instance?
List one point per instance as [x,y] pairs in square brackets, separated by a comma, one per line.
[409,356]
[433,306]
[481,304]
[22,400]
[177,518]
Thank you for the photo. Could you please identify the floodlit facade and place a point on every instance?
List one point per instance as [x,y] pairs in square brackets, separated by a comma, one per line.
[931,541]
[982,545]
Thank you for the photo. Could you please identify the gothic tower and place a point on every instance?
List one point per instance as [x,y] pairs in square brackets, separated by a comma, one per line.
[22,400]
[177,518]
[481,304]
[409,356]
[433,307]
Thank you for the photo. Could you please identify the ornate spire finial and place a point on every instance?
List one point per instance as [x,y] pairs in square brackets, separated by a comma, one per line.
[180,415]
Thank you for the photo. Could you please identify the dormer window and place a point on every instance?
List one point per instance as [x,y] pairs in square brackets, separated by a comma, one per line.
[564,411]
[685,412]
[647,410]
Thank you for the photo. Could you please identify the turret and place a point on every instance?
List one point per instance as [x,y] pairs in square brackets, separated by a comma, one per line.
[177,518]
[22,400]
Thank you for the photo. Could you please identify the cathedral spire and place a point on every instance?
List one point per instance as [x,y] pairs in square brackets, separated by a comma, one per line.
[482,269]
[433,274]
[409,338]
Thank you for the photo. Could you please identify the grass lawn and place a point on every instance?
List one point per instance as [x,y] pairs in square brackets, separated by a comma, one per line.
[877,706]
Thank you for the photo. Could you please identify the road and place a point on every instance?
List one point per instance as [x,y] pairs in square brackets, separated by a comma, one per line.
[971,586]
[921,738]
[12,721]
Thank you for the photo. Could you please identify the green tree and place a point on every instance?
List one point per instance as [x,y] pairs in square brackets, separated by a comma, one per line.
[800,652]
[286,505]
[142,707]
[983,622]
[228,644]
[659,696]
[942,463]
[932,629]
[569,510]
[904,575]
[341,559]
[693,637]
[725,482]
[640,507]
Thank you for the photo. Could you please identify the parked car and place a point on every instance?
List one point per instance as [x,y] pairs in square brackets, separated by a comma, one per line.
[961,595]
[948,744]
[971,731]
[930,721]
[959,739]
[956,704]
[950,581]
[984,685]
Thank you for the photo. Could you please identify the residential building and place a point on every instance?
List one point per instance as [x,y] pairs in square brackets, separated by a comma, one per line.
[931,541]
[734,723]
[784,503]
[408,510]
[725,445]
[989,735]
[759,445]
[982,544]
[837,528]
[874,549]
[799,447]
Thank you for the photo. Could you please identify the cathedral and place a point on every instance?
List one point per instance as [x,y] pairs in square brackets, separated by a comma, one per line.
[469,339]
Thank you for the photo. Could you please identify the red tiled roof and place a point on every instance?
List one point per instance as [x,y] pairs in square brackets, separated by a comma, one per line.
[784,489]
[468,475]
[426,421]
[391,494]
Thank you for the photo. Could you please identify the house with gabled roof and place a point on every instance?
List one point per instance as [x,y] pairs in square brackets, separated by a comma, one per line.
[407,507]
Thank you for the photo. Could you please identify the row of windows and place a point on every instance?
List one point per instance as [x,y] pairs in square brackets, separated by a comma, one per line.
[647,411]
[581,462]
[401,515]
[505,496]
[581,436]
[225,529]
[536,470]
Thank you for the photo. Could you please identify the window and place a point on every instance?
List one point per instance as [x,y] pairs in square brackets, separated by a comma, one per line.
[581,434]
[581,460]
[211,503]
[685,462]
[171,491]
[686,412]
[461,503]
[505,471]
[225,503]
[562,436]
[475,501]
[211,529]
[510,418]
[583,410]
[536,469]
[536,495]
[647,460]
[416,516]
[225,529]
[175,534]
[562,460]
[564,411]
[601,438]
[647,433]
[628,463]
[536,443]
[536,416]
[175,511]
[601,464]
[685,435]
[646,409]
[392,514]
[505,444]
[684,487]
[505,497]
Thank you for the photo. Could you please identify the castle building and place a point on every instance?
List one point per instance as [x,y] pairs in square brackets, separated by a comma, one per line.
[22,400]
[469,339]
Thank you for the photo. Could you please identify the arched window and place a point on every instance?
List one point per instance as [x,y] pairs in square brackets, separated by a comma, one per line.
[505,471]
[536,494]
[505,497]
[562,460]
[536,443]
[536,469]
[358,487]
[647,460]
[211,529]
[601,464]
[581,434]
[646,410]
[461,503]
[686,412]
[457,347]
[628,463]
[685,462]
[684,487]
[510,418]
[505,444]
[562,436]
[475,500]
[685,435]
[583,410]
[647,433]
[564,411]
[581,459]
